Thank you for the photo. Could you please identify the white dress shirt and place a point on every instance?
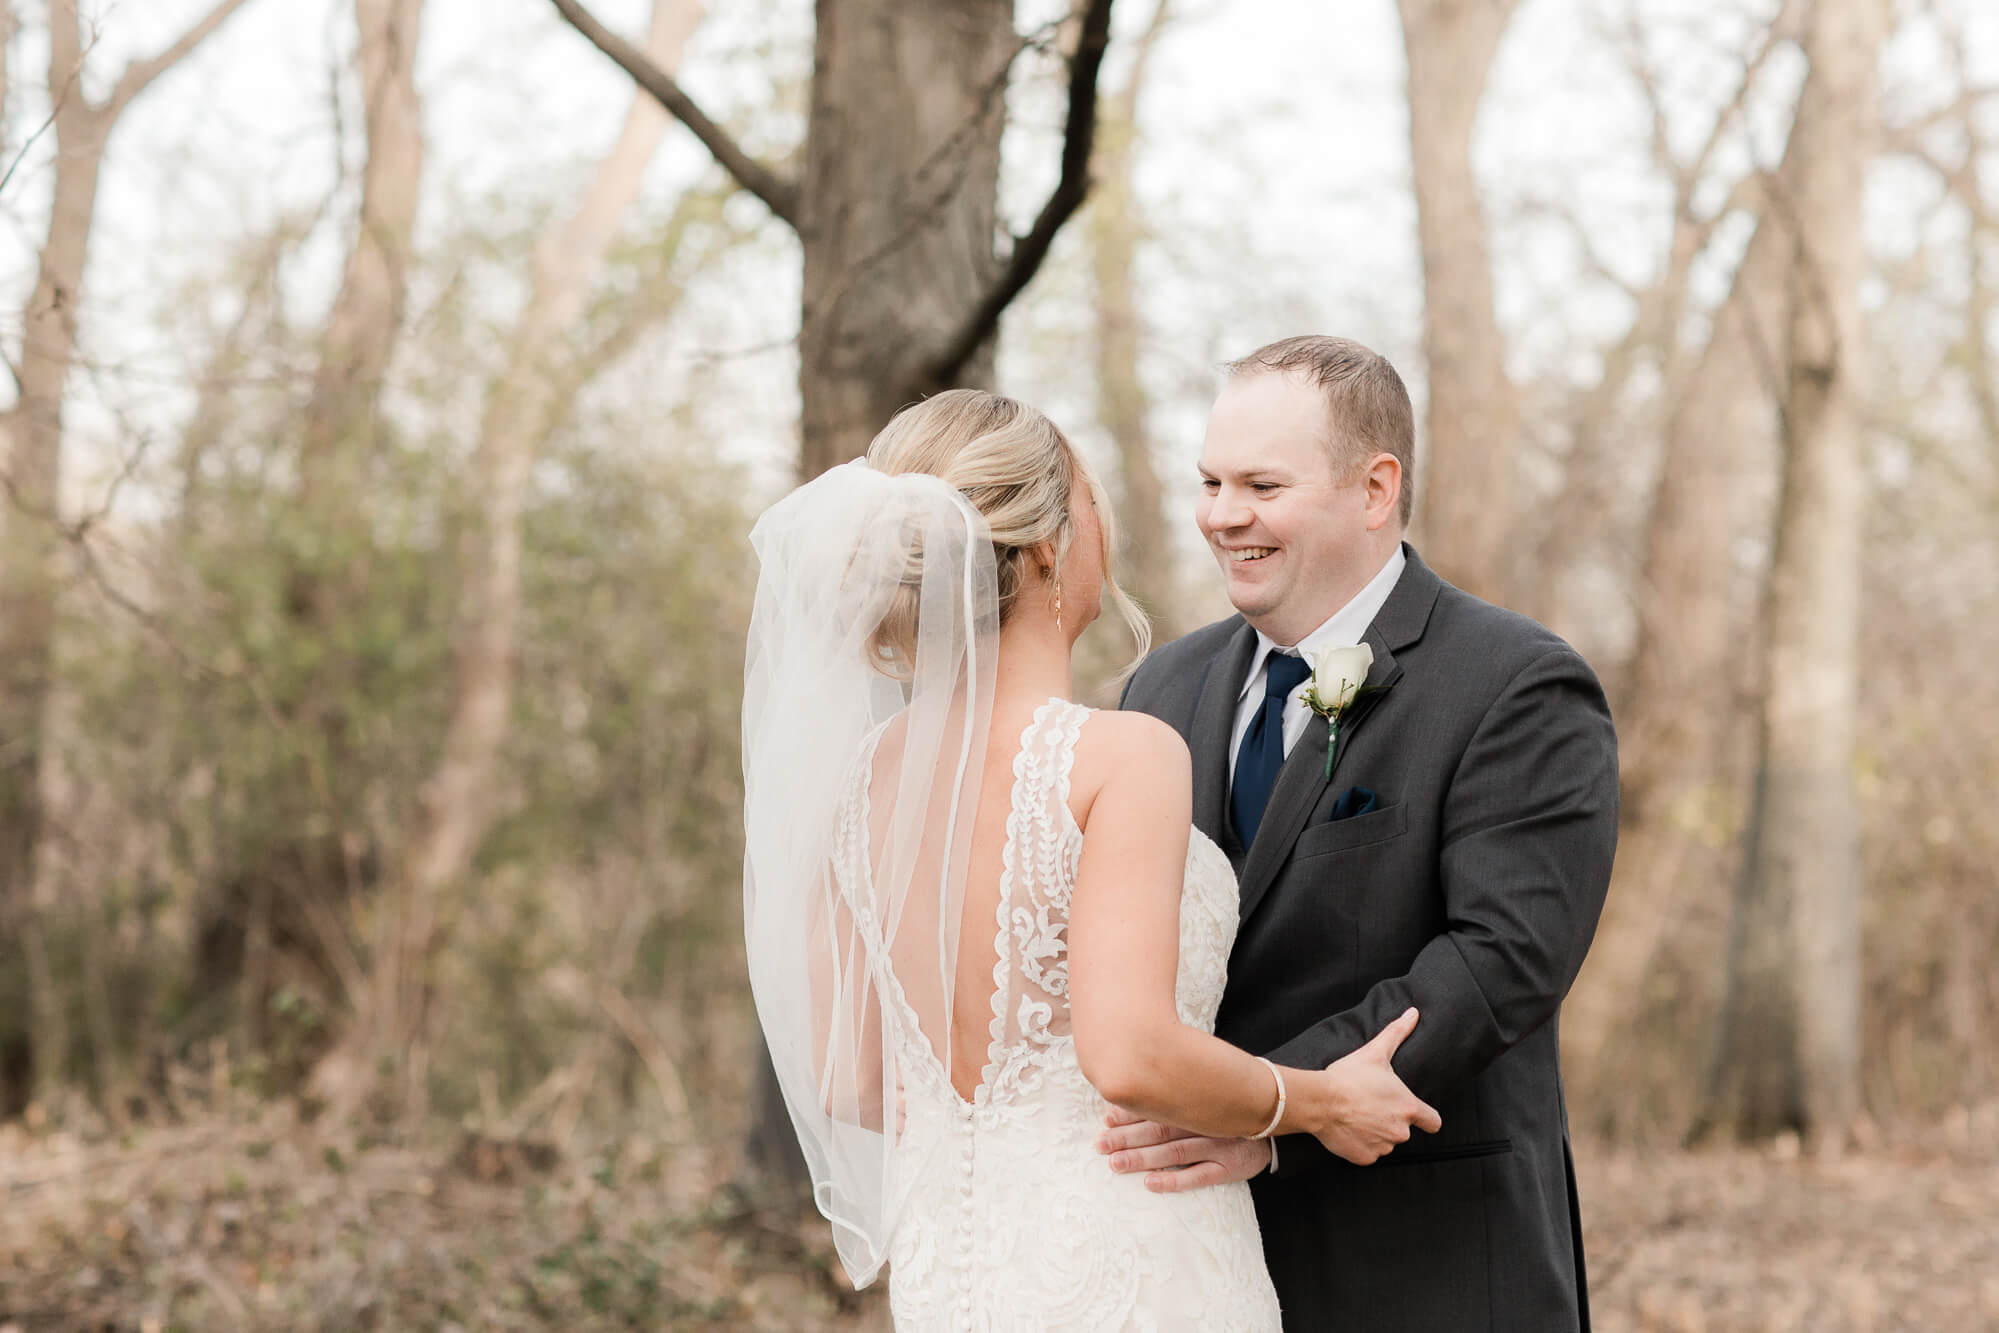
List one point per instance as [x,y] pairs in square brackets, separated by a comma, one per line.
[1344,630]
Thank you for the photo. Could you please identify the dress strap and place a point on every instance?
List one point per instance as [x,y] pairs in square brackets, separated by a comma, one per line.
[1047,754]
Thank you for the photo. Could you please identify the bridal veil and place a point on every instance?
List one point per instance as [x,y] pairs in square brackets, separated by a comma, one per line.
[867,696]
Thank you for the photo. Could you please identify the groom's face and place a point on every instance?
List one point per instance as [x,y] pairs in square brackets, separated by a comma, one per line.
[1290,536]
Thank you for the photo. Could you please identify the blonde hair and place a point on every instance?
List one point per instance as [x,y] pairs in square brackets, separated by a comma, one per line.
[1017,469]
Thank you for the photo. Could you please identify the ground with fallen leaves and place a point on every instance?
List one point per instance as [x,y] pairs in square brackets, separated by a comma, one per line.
[268,1224]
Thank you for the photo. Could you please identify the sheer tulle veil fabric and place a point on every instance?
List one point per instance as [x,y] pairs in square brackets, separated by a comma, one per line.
[872,643]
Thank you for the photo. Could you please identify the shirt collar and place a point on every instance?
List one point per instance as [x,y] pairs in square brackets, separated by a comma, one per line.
[1346,627]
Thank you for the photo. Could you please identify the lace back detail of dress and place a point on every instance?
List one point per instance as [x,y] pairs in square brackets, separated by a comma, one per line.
[1015,1223]
[1038,876]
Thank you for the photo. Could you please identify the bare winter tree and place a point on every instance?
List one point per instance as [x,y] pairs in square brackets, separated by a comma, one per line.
[31,524]
[1115,233]
[1930,988]
[289,899]
[1472,418]
[453,811]
[1586,523]
[896,209]
[1681,765]
[1789,1047]
[896,214]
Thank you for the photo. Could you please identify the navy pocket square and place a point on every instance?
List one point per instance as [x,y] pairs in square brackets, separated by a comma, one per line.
[1353,801]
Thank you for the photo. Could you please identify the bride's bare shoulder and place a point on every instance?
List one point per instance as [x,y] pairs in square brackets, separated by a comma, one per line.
[1128,750]
[1125,735]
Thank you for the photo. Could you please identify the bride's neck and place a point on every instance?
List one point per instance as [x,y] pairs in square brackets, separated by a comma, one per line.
[1033,660]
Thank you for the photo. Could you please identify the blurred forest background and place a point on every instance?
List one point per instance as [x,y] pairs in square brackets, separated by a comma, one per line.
[391,386]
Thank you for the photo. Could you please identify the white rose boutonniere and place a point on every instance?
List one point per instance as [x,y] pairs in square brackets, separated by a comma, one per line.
[1338,675]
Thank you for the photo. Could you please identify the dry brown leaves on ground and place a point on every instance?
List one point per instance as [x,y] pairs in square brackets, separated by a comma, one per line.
[271,1225]
[1773,1241]
[275,1226]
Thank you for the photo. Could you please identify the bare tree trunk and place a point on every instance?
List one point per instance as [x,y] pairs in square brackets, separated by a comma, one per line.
[1465,488]
[888,270]
[1683,746]
[366,319]
[1789,1048]
[31,532]
[1114,234]
[30,573]
[453,809]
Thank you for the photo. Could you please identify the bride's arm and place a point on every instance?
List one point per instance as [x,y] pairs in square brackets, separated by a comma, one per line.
[1124,948]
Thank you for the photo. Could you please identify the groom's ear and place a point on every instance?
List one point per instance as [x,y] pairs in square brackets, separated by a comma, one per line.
[1383,480]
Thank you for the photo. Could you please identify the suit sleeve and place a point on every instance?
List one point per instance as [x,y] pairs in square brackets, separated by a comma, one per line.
[1529,826]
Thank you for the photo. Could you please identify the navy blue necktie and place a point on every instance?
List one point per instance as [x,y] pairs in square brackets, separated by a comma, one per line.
[1262,752]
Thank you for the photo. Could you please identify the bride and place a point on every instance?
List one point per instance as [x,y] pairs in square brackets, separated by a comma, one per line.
[977,913]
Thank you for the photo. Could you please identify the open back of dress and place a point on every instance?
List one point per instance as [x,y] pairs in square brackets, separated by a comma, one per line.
[1007,1217]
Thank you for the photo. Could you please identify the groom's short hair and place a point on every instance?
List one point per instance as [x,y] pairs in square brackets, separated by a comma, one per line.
[1366,403]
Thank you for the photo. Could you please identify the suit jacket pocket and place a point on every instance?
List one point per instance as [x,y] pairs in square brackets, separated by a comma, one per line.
[1457,1152]
[1340,834]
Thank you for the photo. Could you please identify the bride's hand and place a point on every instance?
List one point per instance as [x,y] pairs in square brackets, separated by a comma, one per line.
[1371,1109]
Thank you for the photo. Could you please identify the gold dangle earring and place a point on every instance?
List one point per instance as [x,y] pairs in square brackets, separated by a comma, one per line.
[1058,605]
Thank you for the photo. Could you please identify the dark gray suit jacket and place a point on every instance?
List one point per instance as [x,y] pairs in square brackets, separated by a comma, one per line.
[1471,891]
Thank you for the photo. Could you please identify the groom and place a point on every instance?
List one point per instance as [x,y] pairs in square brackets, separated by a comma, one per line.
[1455,860]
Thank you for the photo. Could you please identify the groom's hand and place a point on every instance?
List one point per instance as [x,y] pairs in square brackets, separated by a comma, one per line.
[1177,1159]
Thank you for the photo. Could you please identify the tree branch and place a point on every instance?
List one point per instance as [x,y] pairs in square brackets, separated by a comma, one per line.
[1752,69]
[21,155]
[66,100]
[1907,137]
[140,73]
[778,195]
[1079,137]
[1555,209]
[1685,176]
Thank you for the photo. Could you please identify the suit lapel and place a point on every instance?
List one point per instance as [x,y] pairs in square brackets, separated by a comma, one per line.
[1213,728]
[1303,779]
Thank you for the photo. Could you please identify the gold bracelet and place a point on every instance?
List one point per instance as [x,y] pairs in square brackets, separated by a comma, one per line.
[1278,1114]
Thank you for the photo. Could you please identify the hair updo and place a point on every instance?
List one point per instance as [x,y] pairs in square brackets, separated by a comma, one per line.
[1018,470]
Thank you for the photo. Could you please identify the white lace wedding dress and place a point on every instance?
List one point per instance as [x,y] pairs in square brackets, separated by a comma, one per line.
[1015,1221]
